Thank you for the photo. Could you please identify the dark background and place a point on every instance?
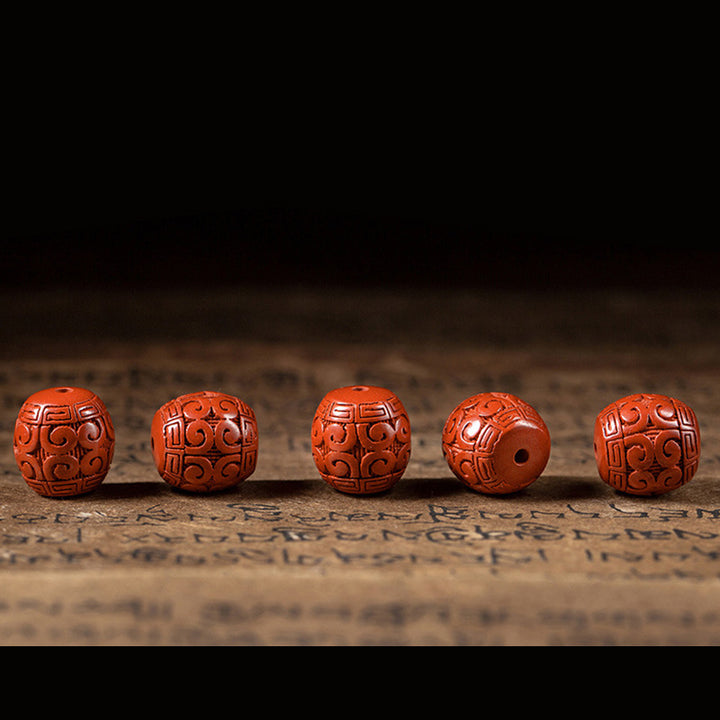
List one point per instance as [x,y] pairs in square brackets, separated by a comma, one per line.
[402,189]
[541,151]
[444,226]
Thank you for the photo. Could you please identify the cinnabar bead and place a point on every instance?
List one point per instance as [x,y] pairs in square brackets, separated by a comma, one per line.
[646,444]
[63,441]
[361,439]
[495,443]
[204,441]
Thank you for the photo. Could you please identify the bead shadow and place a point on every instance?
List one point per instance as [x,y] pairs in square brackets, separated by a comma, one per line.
[270,490]
[127,490]
[428,488]
[565,487]
[546,488]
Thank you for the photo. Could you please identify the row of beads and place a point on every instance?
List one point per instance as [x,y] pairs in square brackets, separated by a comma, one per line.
[495,443]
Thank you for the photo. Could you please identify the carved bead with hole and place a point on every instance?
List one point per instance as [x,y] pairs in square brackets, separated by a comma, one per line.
[495,443]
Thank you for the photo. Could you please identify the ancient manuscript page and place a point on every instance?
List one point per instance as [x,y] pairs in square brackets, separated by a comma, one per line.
[285,559]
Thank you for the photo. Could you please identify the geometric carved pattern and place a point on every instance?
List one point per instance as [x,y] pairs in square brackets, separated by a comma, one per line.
[647,444]
[495,443]
[63,441]
[361,439]
[205,441]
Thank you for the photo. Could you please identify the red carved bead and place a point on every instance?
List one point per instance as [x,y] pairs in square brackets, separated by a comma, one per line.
[361,439]
[496,443]
[646,444]
[64,441]
[204,441]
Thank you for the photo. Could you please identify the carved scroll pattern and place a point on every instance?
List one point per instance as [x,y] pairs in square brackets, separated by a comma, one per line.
[473,430]
[363,447]
[64,450]
[210,442]
[647,444]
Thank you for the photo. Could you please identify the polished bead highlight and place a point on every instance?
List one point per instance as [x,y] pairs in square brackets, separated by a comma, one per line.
[204,441]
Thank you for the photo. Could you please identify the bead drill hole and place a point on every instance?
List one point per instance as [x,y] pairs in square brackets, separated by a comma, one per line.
[359,389]
[521,456]
[63,390]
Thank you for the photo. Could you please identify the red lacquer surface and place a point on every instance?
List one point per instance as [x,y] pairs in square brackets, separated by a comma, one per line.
[204,441]
[63,441]
[496,443]
[361,439]
[646,444]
